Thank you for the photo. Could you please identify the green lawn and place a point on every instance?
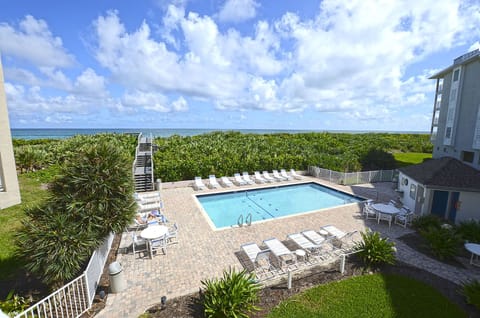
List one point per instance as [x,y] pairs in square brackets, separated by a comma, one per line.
[369,296]
[410,158]
[10,222]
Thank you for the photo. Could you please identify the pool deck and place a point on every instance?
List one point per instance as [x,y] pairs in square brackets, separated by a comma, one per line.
[205,253]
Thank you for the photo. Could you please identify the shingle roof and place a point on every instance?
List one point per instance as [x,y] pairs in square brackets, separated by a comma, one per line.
[445,172]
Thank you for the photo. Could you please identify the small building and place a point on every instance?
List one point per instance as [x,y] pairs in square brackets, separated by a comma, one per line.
[9,189]
[445,187]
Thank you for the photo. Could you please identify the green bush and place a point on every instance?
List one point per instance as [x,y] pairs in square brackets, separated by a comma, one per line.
[443,242]
[234,295]
[13,304]
[375,250]
[469,231]
[471,291]
[425,222]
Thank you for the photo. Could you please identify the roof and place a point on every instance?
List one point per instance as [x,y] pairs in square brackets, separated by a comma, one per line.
[461,60]
[445,172]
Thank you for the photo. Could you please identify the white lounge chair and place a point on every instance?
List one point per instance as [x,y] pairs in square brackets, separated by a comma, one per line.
[333,231]
[247,179]
[267,177]
[149,206]
[213,182]
[199,185]
[260,259]
[283,255]
[259,178]
[277,176]
[304,243]
[342,240]
[284,174]
[239,180]
[295,175]
[226,182]
[314,236]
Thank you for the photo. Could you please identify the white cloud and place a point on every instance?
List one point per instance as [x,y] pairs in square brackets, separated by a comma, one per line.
[238,10]
[34,42]
[90,84]
[180,105]
[474,46]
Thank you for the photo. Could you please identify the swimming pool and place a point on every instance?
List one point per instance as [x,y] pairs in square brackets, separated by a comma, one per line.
[225,209]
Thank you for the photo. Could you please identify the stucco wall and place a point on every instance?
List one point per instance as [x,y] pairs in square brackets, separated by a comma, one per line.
[469,207]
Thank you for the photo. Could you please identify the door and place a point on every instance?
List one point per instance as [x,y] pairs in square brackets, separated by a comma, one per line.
[439,203]
[453,206]
[419,200]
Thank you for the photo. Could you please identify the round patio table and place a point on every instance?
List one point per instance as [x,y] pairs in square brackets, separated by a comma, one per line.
[153,232]
[385,208]
[475,250]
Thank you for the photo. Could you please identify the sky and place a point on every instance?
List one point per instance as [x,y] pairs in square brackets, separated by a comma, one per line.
[234,64]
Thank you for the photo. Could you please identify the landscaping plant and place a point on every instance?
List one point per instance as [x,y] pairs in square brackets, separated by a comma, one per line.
[469,231]
[443,242]
[425,222]
[13,304]
[471,291]
[234,295]
[374,250]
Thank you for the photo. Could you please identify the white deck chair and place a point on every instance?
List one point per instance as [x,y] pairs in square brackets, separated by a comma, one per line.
[284,174]
[145,197]
[260,259]
[226,182]
[314,236]
[259,178]
[267,177]
[304,243]
[239,180]
[172,234]
[213,182]
[138,244]
[283,255]
[199,185]
[277,176]
[342,240]
[369,212]
[295,175]
[160,243]
[247,179]
[404,219]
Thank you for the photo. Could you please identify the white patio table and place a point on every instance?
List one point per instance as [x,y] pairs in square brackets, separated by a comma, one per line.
[153,232]
[475,250]
[385,212]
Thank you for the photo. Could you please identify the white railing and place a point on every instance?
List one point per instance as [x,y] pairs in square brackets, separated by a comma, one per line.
[349,178]
[75,298]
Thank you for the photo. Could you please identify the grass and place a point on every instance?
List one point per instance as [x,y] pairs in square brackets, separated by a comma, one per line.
[369,296]
[410,158]
[10,222]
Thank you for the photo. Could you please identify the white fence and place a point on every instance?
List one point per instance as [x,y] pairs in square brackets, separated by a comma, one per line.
[75,298]
[349,178]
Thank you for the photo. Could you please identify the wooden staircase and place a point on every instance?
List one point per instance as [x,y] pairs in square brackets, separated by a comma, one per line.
[143,165]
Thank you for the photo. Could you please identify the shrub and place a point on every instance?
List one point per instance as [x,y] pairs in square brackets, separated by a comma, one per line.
[375,250]
[443,242]
[469,231]
[13,304]
[424,222]
[234,295]
[471,291]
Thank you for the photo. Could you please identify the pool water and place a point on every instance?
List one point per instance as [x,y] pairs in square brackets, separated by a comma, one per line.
[225,209]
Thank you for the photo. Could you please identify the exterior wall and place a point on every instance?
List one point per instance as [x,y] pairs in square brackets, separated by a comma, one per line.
[470,201]
[405,187]
[467,108]
[10,193]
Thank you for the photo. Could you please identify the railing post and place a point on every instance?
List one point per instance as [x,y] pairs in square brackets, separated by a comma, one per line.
[342,264]
[289,279]
[85,278]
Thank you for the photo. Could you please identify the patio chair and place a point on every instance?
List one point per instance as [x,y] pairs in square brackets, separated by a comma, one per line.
[404,219]
[267,177]
[172,234]
[281,253]
[314,236]
[259,178]
[226,182]
[247,179]
[369,212]
[304,243]
[199,185]
[213,181]
[345,244]
[160,243]
[333,231]
[259,259]
[324,245]
[277,176]
[239,180]
[385,217]
[284,174]
[295,175]
[138,244]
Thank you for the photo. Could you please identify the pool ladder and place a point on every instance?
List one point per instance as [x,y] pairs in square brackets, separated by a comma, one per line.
[248,220]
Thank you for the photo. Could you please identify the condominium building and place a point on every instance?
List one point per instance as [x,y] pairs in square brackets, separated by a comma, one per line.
[9,190]
[455,129]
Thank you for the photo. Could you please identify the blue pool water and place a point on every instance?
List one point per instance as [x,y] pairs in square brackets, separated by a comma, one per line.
[224,209]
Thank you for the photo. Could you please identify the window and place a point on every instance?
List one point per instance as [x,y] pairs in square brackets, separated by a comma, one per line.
[448,132]
[467,156]
[455,75]
[413,191]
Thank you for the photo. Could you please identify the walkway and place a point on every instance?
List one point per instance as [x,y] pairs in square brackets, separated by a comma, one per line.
[203,252]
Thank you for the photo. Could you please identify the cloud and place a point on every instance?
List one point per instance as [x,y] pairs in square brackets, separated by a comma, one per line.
[180,105]
[238,10]
[34,42]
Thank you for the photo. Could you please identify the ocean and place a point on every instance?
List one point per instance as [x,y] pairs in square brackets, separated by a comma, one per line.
[48,133]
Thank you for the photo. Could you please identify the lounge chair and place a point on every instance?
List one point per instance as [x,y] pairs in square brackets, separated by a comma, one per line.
[260,259]
[239,180]
[342,240]
[283,255]
[295,175]
[259,178]
[226,182]
[304,243]
[149,206]
[284,174]
[146,197]
[213,182]
[199,185]
[247,179]
[267,177]
[314,236]
[277,176]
